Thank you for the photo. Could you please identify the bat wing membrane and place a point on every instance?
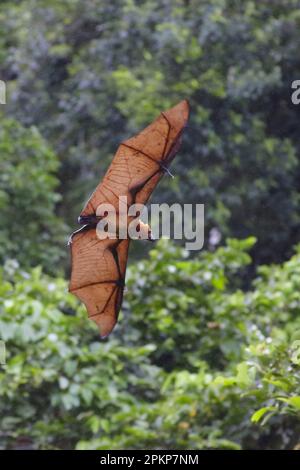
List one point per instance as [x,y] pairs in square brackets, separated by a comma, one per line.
[99,266]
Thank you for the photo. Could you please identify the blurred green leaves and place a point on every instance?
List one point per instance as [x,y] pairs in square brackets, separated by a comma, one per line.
[30,231]
[190,364]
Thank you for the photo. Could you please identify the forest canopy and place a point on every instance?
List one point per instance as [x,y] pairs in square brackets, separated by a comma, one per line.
[207,350]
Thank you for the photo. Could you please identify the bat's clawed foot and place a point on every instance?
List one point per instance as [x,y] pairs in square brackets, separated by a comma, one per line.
[166,170]
[70,240]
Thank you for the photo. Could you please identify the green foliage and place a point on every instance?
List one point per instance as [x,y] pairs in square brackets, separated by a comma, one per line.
[29,231]
[192,360]
[189,305]
[60,382]
[203,357]
[91,73]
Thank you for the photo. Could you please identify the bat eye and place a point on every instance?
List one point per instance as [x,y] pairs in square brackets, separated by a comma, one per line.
[138,227]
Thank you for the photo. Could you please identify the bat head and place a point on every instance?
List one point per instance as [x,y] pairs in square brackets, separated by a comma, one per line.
[144,232]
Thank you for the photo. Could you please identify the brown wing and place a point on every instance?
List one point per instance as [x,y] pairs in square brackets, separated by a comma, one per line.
[98,266]
[98,276]
[140,161]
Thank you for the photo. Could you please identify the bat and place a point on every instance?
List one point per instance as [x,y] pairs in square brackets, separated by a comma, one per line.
[99,264]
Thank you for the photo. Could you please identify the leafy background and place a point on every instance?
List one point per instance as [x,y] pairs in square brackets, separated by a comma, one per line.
[207,350]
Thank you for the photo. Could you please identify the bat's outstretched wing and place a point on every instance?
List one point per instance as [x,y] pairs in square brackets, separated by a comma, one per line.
[141,161]
[98,276]
[99,266]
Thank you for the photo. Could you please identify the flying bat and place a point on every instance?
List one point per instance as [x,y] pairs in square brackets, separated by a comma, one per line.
[99,263]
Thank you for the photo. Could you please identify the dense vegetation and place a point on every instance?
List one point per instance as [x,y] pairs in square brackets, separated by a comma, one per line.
[192,362]
[207,351]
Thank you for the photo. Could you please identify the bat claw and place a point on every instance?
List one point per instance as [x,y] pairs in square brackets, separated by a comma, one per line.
[166,170]
[81,229]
